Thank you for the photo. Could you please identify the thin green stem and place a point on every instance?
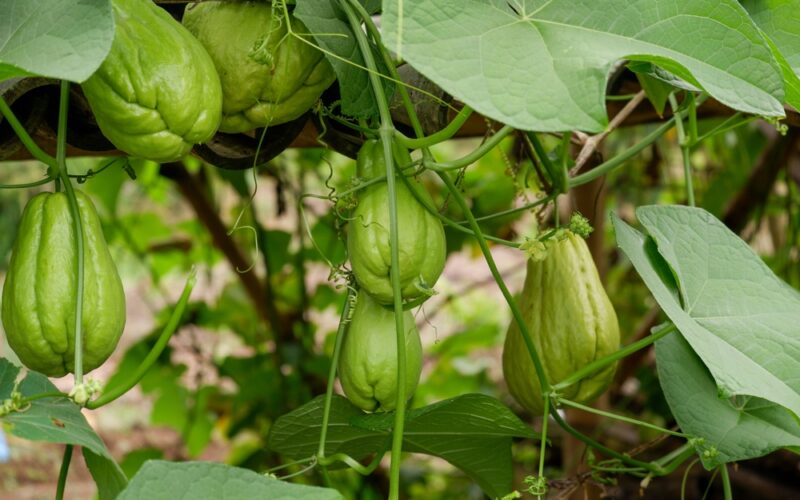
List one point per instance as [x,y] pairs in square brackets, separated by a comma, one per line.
[353,463]
[543,444]
[735,120]
[727,493]
[442,135]
[475,155]
[27,184]
[427,205]
[601,363]
[344,321]
[684,145]
[62,474]
[373,32]
[24,137]
[675,458]
[511,211]
[77,226]
[686,477]
[387,136]
[626,155]
[655,469]
[512,304]
[155,352]
[621,418]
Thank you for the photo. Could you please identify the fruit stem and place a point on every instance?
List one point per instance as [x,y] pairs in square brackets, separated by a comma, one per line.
[77,226]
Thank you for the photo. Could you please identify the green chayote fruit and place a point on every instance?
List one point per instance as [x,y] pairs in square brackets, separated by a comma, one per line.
[368,362]
[422,242]
[269,76]
[570,320]
[157,93]
[39,295]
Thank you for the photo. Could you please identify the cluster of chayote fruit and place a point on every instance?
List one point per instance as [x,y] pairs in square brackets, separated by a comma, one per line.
[231,66]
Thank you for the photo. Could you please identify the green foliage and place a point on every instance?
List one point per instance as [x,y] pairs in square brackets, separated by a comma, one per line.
[557,88]
[69,40]
[162,480]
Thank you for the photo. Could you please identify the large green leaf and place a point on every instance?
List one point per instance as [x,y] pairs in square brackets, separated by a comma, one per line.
[740,429]
[473,432]
[161,480]
[66,39]
[735,314]
[543,65]
[780,22]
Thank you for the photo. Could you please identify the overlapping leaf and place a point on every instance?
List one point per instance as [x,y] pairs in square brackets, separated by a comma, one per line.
[472,432]
[737,316]
[543,65]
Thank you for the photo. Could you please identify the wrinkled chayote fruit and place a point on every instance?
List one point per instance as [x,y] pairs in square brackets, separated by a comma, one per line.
[157,93]
[39,295]
[269,76]
[368,362]
[570,320]
[422,241]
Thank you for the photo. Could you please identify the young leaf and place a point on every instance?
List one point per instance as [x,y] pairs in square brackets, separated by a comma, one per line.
[161,480]
[332,32]
[543,65]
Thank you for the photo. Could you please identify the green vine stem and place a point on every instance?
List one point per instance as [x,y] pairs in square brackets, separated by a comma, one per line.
[512,304]
[453,224]
[598,364]
[653,468]
[543,443]
[684,144]
[387,135]
[155,352]
[629,153]
[26,139]
[440,136]
[344,322]
[27,184]
[621,418]
[62,474]
[726,482]
[77,225]
[473,156]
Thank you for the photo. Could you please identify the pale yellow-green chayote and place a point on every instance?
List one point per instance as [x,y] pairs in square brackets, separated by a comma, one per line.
[422,245]
[157,93]
[570,320]
[368,362]
[268,75]
[40,290]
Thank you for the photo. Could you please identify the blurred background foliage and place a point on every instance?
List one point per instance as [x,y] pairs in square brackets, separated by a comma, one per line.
[257,339]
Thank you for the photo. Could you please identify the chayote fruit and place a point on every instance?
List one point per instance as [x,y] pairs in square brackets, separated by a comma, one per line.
[157,93]
[269,76]
[368,361]
[39,295]
[570,320]
[422,242]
